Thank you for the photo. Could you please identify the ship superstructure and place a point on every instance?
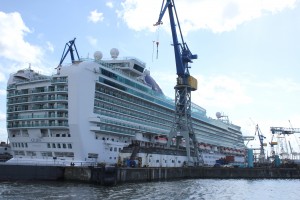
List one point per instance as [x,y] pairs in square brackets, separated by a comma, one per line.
[90,110]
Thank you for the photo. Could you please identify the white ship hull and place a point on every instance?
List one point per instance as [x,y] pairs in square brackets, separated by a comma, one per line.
[89,111]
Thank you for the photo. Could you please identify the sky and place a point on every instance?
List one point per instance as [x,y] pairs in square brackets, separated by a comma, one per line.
[248,50]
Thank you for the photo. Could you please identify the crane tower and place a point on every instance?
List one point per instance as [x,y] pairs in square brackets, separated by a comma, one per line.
[182,125]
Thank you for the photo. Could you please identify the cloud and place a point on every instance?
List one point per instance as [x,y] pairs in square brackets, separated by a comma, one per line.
[220,91]
[93,41]
[2,116]
[214,15]
[12,43]
[2,77]
[50,46]
[2,92]
[95,16]
[110,4]
[279,84]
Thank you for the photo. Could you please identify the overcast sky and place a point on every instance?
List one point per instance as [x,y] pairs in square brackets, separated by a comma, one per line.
[248,50]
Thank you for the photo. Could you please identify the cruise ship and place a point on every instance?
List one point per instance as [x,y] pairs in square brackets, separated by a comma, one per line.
[92,110]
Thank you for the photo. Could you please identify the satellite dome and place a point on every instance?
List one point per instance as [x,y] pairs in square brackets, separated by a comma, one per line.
[114,53]
[218,115]
[98,55]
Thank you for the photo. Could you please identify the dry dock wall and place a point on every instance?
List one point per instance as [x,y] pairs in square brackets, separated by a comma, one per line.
[31,172]
[112,176]
[160,174]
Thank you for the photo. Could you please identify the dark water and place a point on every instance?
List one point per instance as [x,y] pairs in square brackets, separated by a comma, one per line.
[183,189]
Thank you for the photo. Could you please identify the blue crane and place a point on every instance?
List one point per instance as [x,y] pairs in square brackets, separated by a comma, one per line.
[69,49]
[262,144]
[182,125]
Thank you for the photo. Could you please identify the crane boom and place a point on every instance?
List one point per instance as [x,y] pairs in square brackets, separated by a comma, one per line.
[69,48]
[182,124]
[183,55]
[284,131]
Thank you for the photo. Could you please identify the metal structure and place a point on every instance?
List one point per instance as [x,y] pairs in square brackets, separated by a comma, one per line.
[182,126]
[284,145]
[69,48]
[261,138]
[284,131]
[248,139]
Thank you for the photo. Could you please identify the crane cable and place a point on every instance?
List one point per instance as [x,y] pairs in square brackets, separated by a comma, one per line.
[156,42]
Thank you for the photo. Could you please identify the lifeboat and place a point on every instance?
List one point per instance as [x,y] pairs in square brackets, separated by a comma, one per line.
[161,139]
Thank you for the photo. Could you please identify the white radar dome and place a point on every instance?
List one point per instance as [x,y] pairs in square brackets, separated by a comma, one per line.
[114,53]
[98,55]
[218,115]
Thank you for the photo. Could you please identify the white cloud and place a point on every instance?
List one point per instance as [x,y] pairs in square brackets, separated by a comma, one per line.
[2,77]
[2,116]
[50,46]
[110,4]
[2,92]
[95,16]
[214,15]
[93,41]
[12,43]
[220,91]
[279,84]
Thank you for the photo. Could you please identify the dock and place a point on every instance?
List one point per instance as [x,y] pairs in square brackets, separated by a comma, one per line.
[120,175]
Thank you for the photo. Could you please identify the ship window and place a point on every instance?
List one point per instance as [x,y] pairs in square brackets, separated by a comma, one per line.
[58,145]
[179,161]
[111,149]
[157,161]
[57,135]
[173,161]
[69,146]
[48,145]
[103,138]
[26,145]
[53,145]
[138,68]
[115,149]
[64,146]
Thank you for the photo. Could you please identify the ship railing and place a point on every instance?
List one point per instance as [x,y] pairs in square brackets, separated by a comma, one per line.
[37,117]
[38,125]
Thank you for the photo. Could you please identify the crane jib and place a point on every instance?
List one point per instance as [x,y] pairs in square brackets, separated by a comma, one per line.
[183,55]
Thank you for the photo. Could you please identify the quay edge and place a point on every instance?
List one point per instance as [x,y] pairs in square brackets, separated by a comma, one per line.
[113,176]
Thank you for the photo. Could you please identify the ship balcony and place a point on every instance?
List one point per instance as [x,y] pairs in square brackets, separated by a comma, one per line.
[59,80]
[43,125]
[112,130]
[60,108]
[11,87]
[50,99]
[45,91]
[28,117]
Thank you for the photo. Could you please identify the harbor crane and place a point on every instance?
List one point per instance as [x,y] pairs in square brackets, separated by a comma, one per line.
[182,125]
[69,49]
[285,131]
[262,144]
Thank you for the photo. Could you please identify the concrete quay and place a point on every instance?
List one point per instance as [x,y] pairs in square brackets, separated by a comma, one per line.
[113,176]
